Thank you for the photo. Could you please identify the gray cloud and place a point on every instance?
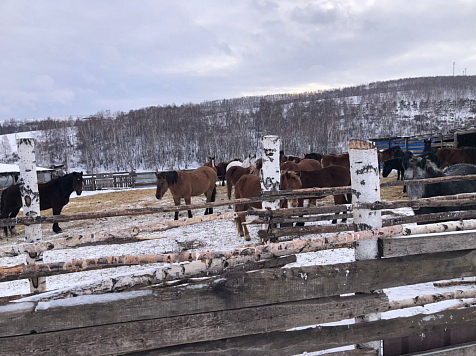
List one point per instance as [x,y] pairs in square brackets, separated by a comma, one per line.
[63,58]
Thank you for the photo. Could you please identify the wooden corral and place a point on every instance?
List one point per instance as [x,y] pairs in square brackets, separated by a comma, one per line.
[247,301]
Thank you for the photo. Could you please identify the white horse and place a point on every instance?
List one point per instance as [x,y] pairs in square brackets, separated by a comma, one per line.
[250,161]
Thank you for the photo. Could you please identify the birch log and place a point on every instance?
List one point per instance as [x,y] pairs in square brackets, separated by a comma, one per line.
[31,204]
[365,180]
[270,175]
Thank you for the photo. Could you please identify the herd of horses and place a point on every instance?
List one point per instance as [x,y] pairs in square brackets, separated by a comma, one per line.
[311,171]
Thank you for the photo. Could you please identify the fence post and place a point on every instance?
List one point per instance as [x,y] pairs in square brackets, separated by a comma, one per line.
[270,175]
[365,189]
[31,204]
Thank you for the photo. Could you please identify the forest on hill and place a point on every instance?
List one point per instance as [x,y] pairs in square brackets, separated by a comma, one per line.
[183,136]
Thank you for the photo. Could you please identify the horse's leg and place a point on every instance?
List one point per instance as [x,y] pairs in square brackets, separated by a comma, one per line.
[339,199]
[188,201]
[57,211]
[300,204]
[210,199]
[13,214]
[239,220]
[177,203]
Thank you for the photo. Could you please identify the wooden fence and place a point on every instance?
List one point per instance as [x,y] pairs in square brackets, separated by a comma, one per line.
[246,301]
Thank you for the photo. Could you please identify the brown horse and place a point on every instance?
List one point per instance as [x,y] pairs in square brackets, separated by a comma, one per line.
[187,185]
[303,165]
[336,160]
[53,194]
[450,156]
[249,186]
[331,176]
[235,173]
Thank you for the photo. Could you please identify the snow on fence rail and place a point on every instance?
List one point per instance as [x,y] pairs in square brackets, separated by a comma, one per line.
[248,298]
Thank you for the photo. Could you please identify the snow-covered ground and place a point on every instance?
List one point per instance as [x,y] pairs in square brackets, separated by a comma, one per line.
[216,235]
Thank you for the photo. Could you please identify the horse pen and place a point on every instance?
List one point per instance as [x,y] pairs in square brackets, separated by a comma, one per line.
[256,299]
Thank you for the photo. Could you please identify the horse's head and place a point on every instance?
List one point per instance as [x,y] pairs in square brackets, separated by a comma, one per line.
[164,179]
[290,181]
[387,168]
[78,182]
[252,160]
[419,167]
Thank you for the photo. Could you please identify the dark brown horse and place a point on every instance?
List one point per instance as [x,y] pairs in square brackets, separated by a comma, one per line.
[316,156]
[235,173]
[450,156]
[336,160]
[283,158]
[303,165]
[53,194]
[332,176]
[249,186]
[187,185]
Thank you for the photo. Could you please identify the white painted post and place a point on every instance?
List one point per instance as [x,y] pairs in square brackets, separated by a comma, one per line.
[366,189]
[31,204]
[270,175]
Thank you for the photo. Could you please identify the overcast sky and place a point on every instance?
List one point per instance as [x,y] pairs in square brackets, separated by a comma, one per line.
[61,58]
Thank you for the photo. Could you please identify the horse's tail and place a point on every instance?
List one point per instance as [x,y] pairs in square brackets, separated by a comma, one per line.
[214,194]
[2,203]
[229,184]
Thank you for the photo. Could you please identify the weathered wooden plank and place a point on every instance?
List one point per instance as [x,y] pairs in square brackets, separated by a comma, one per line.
[428,180]
[393,247]
[355,352]
[144,308]
[435,217]
[468,349]
[146,335]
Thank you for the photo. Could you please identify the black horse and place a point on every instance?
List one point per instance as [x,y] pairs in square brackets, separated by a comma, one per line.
[422,167]
[53,194]
[390,165]
[396,163]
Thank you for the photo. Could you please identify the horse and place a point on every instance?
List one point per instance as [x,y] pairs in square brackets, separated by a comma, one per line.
[388,153]
[211,162]
[221,171]
[391,164]
[331,176]
[450,156]
[336,160]
[316,156]
[303,165]
[53,194]
[427,146]
[249,186]
[234,174]
[259,163]
[250,161]
[283,158]
[186,185]
[422,167]
[396,163]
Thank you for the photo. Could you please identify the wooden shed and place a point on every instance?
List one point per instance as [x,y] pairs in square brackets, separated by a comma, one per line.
[9,174]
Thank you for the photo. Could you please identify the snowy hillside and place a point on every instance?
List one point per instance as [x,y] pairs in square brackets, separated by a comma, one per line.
[184,136]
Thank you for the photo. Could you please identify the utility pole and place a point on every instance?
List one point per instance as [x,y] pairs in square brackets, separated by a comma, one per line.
[453,69]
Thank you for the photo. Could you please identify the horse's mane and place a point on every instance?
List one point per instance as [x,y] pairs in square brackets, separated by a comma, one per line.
[170,176]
